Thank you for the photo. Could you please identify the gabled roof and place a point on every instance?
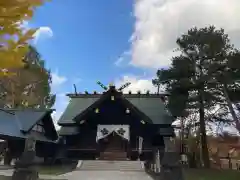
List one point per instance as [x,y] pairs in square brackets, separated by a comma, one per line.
[76,106]
[28,119]
[18,123]
[149,105]
[118,95]
[65,130]
[152,107]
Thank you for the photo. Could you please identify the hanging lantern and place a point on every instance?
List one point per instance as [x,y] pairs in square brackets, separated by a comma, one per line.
[163,99]
[82,121]
[142,121]
[127,111]
[96,110]
[112,98]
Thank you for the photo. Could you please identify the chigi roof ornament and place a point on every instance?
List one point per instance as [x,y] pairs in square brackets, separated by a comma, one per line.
[102,86]
[111,85]
[124,86]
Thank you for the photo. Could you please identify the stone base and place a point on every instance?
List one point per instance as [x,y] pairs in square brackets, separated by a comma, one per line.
[170,159]
[25,167]
[171,167]
[25,174]
[174,173]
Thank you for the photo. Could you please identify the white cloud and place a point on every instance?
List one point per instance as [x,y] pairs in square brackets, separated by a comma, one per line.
[124,57]
[160,22]
[119,61]
[64,99]
[137,84]
[43,32]
[57,79]
[76,80]
[24,25]
[56,115]
[61,103]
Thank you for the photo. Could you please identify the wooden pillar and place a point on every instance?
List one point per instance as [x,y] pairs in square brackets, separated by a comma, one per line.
[129,151]
[8,154]
[98,149]
[170,145]
[157,160]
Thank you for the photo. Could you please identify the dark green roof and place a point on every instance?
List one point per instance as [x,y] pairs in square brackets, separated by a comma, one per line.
[18,123]
[167,131]
[28,119]
[151,106]
[75,107]
[64,131]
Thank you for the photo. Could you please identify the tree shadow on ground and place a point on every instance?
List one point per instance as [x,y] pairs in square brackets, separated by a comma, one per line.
[211,174]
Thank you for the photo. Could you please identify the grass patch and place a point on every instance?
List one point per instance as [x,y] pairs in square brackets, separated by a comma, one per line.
[5,178]
[211,174]
[54,170]
[10,178]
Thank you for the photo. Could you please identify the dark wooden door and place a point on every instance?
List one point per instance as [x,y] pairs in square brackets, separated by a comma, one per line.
[114,147]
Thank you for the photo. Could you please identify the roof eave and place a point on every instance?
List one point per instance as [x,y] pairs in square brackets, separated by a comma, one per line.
[67,123]
[30,128]
[124,95]
[145,117]
[26,109]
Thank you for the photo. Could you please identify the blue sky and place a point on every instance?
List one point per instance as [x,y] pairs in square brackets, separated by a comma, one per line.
[88,36]
[83,41]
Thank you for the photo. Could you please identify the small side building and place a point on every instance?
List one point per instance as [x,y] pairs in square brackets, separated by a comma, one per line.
[18,124]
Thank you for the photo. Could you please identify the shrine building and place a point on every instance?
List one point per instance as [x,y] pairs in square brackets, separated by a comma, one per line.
[114,126]
[17,125]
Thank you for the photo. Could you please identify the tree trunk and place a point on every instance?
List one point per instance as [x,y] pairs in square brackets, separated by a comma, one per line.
[232,111]
[238,106]
[8,157]
[182,142]
[203,136]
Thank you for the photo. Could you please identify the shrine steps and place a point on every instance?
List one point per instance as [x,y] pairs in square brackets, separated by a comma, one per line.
[117,155]
[101,165]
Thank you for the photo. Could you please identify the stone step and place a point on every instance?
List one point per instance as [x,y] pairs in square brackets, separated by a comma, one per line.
[100,165]
[113,155]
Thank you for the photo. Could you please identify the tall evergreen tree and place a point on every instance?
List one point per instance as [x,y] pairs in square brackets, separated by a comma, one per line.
[193,77]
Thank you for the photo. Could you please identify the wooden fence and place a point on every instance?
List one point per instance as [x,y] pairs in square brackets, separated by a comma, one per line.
[220,163]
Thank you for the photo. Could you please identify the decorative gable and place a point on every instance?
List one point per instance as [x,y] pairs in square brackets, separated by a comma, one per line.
[39,127]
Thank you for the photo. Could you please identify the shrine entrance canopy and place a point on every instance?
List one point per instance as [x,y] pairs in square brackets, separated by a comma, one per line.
[105,130]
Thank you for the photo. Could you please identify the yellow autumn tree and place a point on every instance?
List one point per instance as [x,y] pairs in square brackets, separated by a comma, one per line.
[13,36]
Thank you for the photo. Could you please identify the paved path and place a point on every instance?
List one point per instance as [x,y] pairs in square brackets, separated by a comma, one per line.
[105,175]
[9,173]
[92,175]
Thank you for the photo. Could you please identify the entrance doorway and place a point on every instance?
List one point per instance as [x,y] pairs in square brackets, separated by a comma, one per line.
[113,147]
[113,141]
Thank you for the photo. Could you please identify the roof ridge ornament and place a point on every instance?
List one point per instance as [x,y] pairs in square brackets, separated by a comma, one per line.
[124,86]
[111,85]
[102,86]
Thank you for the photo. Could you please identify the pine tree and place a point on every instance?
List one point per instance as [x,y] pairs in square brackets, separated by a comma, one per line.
[193,78]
